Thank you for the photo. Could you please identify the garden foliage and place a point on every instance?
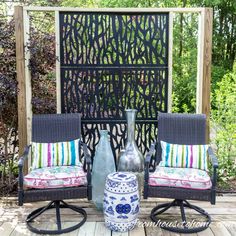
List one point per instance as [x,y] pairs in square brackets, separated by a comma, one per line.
[8,105]
[224,125]
[42,65]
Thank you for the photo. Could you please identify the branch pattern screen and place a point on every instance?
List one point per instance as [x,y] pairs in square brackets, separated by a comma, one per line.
[110,62]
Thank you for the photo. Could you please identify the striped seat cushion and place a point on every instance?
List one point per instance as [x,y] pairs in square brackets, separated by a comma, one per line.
[56,177]
[185,156]
[55,154]
[180,178]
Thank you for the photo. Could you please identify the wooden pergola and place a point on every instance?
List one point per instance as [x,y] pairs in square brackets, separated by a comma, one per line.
[22,25]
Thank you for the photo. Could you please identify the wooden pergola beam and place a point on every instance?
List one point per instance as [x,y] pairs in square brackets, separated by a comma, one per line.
[117,10]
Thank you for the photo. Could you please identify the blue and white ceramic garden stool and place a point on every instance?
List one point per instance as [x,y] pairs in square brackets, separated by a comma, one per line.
[121,201]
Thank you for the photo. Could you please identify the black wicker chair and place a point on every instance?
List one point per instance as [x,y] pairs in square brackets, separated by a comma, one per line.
[53,128]
[188,129]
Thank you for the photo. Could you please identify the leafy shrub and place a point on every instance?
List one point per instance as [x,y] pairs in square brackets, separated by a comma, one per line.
[8,103]
[224,125]
[42,66]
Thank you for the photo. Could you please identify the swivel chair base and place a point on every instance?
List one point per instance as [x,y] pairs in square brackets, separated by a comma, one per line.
[184,226]
[57,205]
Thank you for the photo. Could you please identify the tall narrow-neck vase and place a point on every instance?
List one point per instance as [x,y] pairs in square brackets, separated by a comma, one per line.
[103,164]
[131,158]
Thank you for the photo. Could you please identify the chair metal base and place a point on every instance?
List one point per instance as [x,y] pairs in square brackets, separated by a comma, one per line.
[184,226]
[57,205]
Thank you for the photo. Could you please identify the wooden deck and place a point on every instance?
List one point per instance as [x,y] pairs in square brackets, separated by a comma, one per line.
[12,219]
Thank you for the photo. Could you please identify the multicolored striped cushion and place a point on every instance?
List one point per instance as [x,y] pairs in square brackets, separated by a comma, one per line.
[185,156]
[55,154]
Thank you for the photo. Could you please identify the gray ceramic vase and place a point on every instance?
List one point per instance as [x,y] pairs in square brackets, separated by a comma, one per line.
[131,159]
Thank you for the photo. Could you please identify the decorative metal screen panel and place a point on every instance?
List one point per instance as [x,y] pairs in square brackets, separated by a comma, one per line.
[110,62]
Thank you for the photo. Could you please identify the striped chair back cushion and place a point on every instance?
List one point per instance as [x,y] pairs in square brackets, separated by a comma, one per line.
[55,154]
[185,156]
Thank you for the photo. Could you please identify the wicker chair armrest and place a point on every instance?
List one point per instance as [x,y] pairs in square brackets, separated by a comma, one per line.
[87,168]
[20,167]
[214,162]
[24,156]
[87,158]
[148,160]
[213,158]
[147,164]
[149,156]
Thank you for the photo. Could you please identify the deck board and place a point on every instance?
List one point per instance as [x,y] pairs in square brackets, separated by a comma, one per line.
[154,231]
[7,228]
[230,226]
[12,218]
[101,229]
[219,229]
[87,229]
[206,232]
[137,231]
[120,233]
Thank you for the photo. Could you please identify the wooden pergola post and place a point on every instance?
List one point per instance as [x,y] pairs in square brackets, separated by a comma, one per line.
[204,65]
[20,68]
[206,83]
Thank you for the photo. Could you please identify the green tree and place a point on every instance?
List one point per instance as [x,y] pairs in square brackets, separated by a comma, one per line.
[224,123]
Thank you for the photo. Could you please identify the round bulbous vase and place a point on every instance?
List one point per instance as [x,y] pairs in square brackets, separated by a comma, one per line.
[131,159]
[103,164]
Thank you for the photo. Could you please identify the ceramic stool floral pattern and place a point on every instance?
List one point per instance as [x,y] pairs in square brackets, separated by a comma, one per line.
[121,201]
